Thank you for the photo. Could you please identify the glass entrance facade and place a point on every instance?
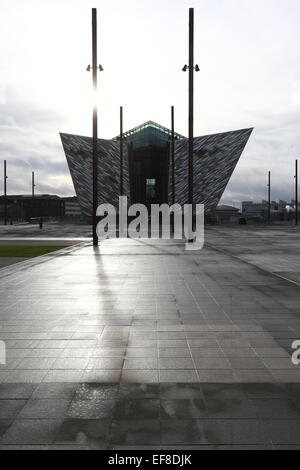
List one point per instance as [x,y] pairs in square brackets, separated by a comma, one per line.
[148,161]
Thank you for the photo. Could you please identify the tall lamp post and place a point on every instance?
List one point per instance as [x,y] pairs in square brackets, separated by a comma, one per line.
[32,189]
[121,150]
[32,184]
[191,68]
[5,191]
[173,153]
[296,192]
[269,197]
[95,122]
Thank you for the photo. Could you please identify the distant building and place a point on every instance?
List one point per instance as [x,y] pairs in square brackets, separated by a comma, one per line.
[224,213]
[72,208]
[259,210]
[254,209]
[23,207]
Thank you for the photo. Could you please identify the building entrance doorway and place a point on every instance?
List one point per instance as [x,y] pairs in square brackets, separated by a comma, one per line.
[151,190]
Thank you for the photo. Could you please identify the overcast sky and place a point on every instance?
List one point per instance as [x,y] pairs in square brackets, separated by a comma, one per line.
[248,52]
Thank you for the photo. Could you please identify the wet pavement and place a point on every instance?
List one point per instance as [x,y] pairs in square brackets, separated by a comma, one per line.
[141,344]
[158,416]
[271,248]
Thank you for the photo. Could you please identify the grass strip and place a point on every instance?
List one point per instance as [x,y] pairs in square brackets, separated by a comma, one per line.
[27,251]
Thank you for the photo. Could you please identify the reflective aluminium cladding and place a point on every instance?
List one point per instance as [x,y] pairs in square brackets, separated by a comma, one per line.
[78,151]
[215,158]
[147,134]
[147,166]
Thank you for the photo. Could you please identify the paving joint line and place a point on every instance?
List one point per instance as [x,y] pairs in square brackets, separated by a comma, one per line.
[252,264]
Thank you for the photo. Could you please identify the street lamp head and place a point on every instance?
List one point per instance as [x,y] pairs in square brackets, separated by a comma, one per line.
[197,68]
[89,68]
[185,68]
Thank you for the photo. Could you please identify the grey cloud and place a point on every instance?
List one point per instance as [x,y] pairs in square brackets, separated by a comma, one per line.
[29,141]
[273,146]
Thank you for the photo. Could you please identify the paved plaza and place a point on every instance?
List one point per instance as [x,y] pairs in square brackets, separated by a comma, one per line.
[140,344]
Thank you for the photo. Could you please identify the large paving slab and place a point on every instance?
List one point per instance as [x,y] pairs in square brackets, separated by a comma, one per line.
[273,248]
[139,343]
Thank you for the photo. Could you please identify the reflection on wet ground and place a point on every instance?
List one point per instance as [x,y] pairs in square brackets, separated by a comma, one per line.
[110,416]
[144,344]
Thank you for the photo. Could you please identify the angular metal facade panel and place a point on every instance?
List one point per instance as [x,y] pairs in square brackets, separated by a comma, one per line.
[78,151]
[215,158]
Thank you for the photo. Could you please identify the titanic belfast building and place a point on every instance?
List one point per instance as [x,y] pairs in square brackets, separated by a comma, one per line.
[147,166]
